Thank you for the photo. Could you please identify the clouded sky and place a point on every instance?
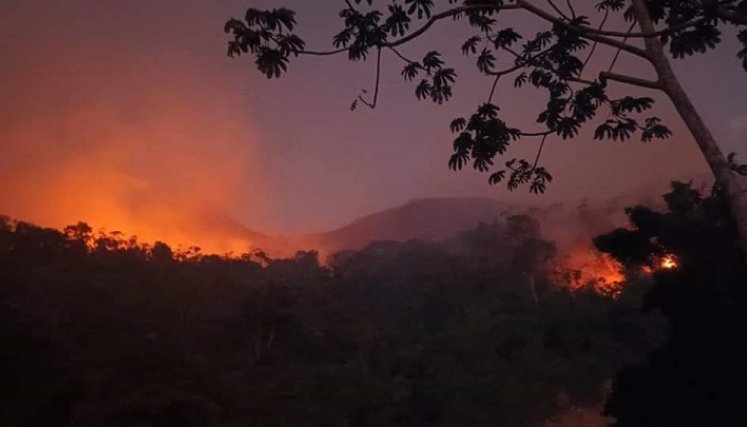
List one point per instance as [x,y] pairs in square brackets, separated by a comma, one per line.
[131,109]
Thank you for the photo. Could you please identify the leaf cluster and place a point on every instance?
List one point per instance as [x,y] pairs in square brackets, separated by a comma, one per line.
[268,36]
[552,61]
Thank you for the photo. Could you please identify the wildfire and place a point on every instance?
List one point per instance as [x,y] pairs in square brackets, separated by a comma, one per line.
[585,266]
[147,157]
[668,262]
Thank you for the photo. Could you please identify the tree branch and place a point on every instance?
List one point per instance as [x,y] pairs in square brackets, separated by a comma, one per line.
[586,31]
[557,9]
[543,133]
[597,35]
[492,89]
[530,61]
[617,54]
[589,33]
[372,105]
[521,62]
[448,14]
[324,52]
[570,6]
[594,46]
[539,152]
[622,78]
[400,56]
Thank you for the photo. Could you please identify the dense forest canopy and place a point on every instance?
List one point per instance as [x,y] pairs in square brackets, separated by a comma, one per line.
[468,331]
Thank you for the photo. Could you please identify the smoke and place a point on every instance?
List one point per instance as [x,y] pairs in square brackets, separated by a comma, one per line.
[573,228]
[152,153]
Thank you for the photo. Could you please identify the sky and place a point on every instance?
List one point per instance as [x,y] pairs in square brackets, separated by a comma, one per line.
[129,114]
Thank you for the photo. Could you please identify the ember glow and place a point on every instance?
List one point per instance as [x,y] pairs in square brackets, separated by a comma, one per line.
[668,262]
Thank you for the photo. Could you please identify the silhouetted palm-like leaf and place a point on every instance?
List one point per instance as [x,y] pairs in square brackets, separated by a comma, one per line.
[432,60]
[421,7]
[486,61]
[470,46]
[271,62]
[458,125]
[411,70]
[506,38]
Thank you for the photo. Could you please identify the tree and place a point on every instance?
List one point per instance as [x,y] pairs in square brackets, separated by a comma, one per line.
[697,376]
[556,61]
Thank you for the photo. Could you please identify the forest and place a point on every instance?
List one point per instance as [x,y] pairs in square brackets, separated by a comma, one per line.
[310,229]
[478,329]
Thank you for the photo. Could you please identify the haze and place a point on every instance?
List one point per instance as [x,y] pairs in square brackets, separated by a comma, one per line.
[129,115]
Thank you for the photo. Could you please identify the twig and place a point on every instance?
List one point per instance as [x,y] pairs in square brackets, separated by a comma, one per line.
[372,105]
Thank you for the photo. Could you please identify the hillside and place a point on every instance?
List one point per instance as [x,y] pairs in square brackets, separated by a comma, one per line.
[422,219]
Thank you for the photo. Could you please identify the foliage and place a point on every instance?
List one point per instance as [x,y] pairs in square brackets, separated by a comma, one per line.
[103,330]
[697,377]
[553,61]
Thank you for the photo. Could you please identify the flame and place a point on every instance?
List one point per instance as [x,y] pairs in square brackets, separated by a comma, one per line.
[584,266]
[150,162]
[668,262]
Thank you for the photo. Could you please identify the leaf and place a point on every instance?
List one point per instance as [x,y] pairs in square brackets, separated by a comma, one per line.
[604,131]
[235,26]
[443,77]
[497,177]
[506,37]
[698,39]
[743,53]
[520,80]
[629,104]
[398,22]
[488,111]
[470,46]
[482,164]
[411,70]
[422,7]
[432,60]
[271,62]
[486,61]
[458,124]
[457,161]
[423,90]
[653,129]
[567,127]
[463,142]
[342,39]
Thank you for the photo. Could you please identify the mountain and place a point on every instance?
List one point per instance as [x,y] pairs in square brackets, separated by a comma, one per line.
[425,219]
[441,218]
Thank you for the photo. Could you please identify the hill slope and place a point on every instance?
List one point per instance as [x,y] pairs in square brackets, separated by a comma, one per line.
[426,219]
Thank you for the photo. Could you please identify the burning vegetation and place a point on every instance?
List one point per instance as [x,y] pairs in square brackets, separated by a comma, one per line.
[668,262]
[583,266]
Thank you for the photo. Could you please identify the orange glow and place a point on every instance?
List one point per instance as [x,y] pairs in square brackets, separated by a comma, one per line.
[162,169]
[584,266]
[669,262]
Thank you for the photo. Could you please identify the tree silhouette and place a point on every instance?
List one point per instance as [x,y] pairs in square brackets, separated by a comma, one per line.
[556,61]
[98,331]
[697,377]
